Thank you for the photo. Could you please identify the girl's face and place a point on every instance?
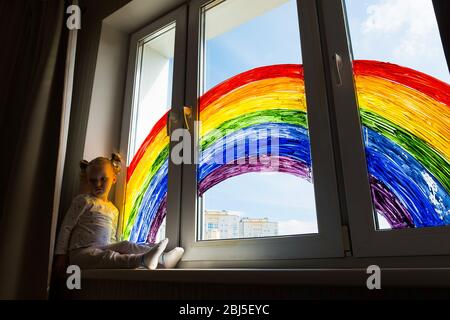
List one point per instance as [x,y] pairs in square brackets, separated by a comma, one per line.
[100,179]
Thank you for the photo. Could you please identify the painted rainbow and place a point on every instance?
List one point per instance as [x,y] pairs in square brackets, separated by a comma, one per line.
[405,118]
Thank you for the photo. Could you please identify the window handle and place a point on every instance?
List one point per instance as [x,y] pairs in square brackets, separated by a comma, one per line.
[338,67]
[172,118]
[187,112]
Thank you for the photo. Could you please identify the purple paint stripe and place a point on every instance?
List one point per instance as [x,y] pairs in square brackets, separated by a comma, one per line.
[157,221]
[254,164]
[385,202]
[389,206]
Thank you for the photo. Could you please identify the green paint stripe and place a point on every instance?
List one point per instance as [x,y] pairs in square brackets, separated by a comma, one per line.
[435,163]
[159,161]
[294,117]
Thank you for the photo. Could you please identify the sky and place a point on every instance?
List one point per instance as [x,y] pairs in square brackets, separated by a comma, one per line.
[272,38]
[404,32]
[397,31]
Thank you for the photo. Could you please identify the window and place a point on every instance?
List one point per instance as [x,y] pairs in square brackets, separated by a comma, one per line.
[404,116]
[247,112]
[146,188]
[390,90]
[255,139]
[153,88]
[298,141]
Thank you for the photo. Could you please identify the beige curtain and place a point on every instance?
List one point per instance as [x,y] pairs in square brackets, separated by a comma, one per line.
[32,65]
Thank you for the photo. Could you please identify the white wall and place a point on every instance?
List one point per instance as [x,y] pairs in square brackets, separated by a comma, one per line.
[103,130]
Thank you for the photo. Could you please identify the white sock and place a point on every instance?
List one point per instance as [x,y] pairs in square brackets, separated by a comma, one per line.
[170,259]
[150,259]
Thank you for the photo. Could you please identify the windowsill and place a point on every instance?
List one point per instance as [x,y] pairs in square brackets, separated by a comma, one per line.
[390,277]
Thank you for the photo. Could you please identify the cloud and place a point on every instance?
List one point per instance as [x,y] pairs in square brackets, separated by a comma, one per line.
[412,21]
[394,15]
[297,227]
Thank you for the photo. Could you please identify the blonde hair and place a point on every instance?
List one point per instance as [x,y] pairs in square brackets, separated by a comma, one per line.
[115,162]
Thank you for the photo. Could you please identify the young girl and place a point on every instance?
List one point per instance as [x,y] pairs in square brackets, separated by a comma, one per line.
[88,231]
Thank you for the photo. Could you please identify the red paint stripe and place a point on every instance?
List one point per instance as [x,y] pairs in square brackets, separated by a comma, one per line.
[434,88]
[160,125]
[261,73]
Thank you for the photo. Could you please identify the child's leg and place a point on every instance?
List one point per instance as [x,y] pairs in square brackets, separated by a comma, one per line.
[95,258]
[128,247]
[151,258]
[167,259]
[170,259]
[105,258]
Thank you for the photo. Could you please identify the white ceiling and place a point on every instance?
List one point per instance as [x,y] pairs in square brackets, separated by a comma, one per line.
[138,13]
[228,17]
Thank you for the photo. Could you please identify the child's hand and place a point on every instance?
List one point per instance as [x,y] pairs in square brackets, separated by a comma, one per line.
[60,265]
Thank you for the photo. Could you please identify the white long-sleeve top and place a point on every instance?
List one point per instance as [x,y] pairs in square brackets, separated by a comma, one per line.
[90,222]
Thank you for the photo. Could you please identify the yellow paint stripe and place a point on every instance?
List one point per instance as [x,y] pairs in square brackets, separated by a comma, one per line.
[410,109]
[274,93]
[141,172]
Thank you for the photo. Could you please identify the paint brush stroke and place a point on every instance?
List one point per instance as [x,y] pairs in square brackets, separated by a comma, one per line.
[404,114]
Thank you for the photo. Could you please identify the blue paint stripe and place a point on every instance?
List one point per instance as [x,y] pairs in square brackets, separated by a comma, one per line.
[293,142]
[148,209]
[421,193]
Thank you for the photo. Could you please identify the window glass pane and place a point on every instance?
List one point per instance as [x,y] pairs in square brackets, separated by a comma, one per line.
[146,190]
[254,175]
[402,82]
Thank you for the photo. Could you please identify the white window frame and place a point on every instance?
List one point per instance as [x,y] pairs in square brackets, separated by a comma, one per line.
[179,17]
[366,240]
[329,241]
[341,185]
